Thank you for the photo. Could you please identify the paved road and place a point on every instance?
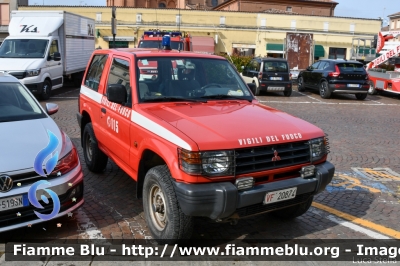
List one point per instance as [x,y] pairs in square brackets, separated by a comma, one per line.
[361,202]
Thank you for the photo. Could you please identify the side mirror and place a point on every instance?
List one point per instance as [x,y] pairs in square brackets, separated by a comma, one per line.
[116,93]
[57,56]
[252,87]
[51,108]
[309,68]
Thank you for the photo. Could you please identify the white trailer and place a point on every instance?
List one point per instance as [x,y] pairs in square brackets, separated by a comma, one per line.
[46,47]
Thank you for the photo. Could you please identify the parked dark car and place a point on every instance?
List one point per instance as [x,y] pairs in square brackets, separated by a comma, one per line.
[335,76]
[268,74]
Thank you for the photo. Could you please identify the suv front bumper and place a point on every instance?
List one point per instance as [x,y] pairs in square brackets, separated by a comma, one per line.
[223,200]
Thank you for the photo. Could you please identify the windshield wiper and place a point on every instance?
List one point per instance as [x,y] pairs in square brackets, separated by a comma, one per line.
[173,99]
[224,96]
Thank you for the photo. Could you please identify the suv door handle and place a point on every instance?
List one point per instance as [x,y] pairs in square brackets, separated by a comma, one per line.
[103,110]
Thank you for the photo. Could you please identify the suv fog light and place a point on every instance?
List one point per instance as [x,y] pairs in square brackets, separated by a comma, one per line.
[307,171]
[244,183]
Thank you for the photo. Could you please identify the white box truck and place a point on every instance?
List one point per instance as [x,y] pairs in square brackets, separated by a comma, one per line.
[46,47]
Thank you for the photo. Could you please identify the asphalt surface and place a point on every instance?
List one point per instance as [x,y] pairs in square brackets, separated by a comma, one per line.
[362,202]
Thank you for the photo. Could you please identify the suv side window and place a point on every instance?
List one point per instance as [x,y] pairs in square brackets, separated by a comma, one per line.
[254,65]
[323,65]
[315,65]
[119,74]
[93,75]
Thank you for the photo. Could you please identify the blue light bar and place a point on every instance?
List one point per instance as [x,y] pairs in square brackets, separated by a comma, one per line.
[166,42]
[162,33]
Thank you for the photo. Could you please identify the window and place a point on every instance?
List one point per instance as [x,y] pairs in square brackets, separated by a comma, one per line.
[352,28]
[315,65]
[275,66]
[398,24]
[337,53]
[222,21]
[289,9]
[323,65]
[119,74]
[293,25]
[326,26]
[139,18]
[4,14]
[351,67]
[53,49]
[263,23]
[178,19]
[392,26]
[254,65]
[214,2]
[162,5]
[93,76]
[98,17]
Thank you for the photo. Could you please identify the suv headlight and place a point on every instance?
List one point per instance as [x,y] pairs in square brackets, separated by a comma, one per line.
[318,148]
[209,163]
[32,72]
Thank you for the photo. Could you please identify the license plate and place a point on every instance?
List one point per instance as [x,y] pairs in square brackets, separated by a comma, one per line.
[275,78]
[12,203]
[280,195]
[353,85]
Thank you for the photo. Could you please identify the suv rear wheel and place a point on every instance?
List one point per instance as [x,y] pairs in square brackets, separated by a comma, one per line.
[288,92]
[361,96]
[294,211]
[163,214]
[95,159]
[300,85]
[324,90]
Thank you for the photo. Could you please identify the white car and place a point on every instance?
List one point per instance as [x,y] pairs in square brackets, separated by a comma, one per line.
[35,156]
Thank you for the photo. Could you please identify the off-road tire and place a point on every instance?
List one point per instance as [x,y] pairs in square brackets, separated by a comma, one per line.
[169,224]
[294,211]
[95,159]
[46,92]
[324,91]
[300,85]
[361,96]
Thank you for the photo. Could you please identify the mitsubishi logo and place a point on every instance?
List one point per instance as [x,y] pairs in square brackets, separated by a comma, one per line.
[6,183]
[276,156]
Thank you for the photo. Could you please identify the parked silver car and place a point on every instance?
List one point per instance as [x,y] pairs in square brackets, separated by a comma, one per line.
[35,157]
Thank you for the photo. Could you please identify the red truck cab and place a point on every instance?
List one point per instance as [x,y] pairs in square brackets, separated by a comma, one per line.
[196,140]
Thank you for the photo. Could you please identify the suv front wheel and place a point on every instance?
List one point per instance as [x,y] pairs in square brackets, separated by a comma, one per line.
[300,85]
[324,90]
[95,159]
[163,214]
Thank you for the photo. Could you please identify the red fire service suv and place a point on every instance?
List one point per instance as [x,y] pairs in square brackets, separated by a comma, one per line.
[196,140]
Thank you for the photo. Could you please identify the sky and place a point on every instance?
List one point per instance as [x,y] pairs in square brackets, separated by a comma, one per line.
[345,8]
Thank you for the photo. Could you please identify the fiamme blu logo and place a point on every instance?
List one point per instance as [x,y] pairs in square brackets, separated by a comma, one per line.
[49,157]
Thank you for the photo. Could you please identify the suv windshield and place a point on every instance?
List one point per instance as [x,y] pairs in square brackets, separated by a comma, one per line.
[17,104]
[157,44]
[275,66]
[24,48]
[351,67]
[174,79]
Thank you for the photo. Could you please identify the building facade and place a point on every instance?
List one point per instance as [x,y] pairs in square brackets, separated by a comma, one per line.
[307,7]
[394,25]
[6,6]
[254,34]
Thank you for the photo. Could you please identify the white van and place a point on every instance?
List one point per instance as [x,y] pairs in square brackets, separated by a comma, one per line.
[45,47]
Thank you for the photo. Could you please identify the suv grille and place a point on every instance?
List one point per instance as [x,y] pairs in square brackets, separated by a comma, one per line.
[262,158]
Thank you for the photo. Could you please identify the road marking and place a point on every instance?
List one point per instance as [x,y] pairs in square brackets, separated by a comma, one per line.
[309,97]
[352,182]
[355,103]
[350,225]
[376,227]
[87,227]
[377,174]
